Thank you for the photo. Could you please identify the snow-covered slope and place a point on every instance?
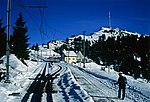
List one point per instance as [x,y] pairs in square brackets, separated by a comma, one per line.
[15,63]
[136,90]
[108,32]
[73,81]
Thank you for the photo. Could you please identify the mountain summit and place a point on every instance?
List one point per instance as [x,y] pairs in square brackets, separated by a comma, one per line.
[108,32]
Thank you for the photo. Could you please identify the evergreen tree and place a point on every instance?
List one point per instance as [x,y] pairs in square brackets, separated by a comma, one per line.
[36,47]
[87,48]
[110,49]
[20,44]
[48,45]
[78,43]
[128,53]
[2,39]
[143,50]
[33,47]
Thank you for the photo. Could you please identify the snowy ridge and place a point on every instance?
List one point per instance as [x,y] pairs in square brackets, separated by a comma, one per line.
[108,32]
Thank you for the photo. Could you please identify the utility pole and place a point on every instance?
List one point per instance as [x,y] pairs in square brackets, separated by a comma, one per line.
[7,41]
[68,52]
[84,49]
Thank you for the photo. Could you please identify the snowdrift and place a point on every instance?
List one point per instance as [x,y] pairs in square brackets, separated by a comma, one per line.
[14,63]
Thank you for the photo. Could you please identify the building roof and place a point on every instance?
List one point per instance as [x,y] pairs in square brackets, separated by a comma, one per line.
[70,53]
[79,55]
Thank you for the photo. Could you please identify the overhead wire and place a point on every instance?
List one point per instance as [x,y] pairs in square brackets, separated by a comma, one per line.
[54,29]
[42,11]
[44,26]
[43,21]
[31,16]
[33,19]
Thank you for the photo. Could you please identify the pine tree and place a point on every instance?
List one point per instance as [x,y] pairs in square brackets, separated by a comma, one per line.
[20,37]
[87,47]
[78,43]
[33,47]
[2,39]
[128,53]
[36,47]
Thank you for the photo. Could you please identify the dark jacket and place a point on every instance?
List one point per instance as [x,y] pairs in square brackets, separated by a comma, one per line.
[122,81]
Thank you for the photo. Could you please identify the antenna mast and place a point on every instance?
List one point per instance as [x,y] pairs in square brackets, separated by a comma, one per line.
[109,19]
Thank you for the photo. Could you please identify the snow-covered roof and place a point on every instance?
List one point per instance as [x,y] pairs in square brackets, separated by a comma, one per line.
[79,54]
[70,53]
[46,52]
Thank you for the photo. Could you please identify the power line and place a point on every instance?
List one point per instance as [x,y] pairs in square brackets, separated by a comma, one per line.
[43,21]
[35,7]
[33,19]
[54,29]
[41,10]
[41,30]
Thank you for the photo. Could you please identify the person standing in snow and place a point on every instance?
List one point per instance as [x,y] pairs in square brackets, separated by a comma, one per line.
[122,80]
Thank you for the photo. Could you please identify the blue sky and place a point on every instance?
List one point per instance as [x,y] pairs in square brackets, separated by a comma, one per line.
[63,18]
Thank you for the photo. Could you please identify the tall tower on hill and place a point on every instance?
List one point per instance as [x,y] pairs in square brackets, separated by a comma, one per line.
[109,21]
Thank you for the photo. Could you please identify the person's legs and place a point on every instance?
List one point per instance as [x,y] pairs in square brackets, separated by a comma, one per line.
[123,93]
[119,92]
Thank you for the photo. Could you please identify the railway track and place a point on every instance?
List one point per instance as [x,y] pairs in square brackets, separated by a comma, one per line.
[130,91]
[103,88]
[42,84]
[97,93]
